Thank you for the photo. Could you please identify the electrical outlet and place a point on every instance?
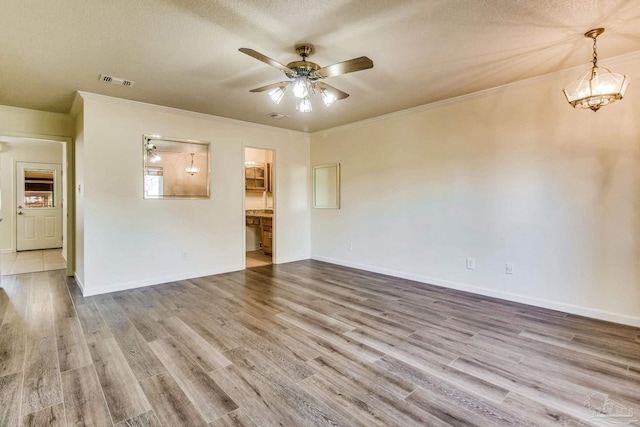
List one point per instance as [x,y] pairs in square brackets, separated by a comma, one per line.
[350,246]
[471,263]
[184,256]
[508,268]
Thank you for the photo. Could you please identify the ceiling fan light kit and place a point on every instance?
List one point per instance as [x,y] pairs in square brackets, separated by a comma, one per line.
[305,78]
[598,86]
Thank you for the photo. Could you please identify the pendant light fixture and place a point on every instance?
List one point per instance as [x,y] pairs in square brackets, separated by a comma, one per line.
[192,170]
[598,86]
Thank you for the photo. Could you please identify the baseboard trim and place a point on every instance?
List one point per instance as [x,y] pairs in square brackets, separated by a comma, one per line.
[290,259]
[157,280]
[79,283]
[537,302]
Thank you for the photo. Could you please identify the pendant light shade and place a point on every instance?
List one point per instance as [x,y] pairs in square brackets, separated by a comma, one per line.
[597,87]
[192,170]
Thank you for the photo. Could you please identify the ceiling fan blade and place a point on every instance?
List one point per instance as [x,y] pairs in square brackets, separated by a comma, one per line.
[337,92]
[271,86]
[265,59]
[345,67]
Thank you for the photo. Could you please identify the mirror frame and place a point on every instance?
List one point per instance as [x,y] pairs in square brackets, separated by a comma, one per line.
[146,138]
[334,193]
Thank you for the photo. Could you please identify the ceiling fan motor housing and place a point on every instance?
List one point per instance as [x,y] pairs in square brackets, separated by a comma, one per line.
[303,68]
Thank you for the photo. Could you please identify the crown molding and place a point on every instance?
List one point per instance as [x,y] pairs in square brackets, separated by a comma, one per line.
[570,73]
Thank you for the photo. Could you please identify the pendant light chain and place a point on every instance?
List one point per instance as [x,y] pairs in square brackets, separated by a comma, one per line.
[595,54]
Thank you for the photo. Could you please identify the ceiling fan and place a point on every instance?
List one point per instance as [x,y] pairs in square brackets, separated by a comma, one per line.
[305,77]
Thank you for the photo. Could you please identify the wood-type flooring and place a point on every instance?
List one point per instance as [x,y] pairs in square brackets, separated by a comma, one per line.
[304,344]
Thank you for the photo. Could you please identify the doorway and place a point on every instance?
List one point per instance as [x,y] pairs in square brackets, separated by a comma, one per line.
[35,204]
[259,188]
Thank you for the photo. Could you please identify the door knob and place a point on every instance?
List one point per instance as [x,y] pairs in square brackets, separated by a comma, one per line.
[20,213]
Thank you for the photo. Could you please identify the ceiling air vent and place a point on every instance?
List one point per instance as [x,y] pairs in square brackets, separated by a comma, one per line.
[116,80]
[277,115]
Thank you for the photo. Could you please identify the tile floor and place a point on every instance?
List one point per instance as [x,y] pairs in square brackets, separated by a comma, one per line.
[257,259]
[32,261]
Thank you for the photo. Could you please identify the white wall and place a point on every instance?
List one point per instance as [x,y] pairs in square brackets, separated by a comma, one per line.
[77,111]
[510,175]
[24,122]
[29,151]
[130,242]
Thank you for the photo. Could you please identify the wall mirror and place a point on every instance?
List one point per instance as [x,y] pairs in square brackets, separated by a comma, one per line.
[326,186]
[175,168]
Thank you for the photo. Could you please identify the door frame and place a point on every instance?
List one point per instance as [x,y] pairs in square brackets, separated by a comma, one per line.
[274,242]
[68,189]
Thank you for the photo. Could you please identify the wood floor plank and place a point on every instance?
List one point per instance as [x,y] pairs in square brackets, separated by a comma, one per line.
[148,419]
[436,376]
[143,322]
[470,410]
[536,413]
[10,391]
[41,387]
[358,411]
[121,389]
[53,416]
[204,393]
[292,396]
[194,345]
[63,303]
[603,352]
[92,323]
[258,400]
[390,406]
[72,346]
[234,419]
[134,347]
[308,332]
[528,384]
[84,400]
[294,369]
[170,405]
[345,363]
[18,291]
[12,347]
[208,327]
[4,303]
[40,315]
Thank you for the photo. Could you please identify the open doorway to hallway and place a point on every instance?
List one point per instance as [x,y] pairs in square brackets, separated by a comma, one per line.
[33,190]
[259,206]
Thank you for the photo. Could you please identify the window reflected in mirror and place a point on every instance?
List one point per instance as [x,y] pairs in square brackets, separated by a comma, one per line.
[39,188]
[175,168]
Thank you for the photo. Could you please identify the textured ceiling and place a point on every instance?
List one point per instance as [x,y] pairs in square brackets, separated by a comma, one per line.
[184,53]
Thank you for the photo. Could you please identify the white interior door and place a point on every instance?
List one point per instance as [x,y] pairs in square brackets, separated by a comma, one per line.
[38,206]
